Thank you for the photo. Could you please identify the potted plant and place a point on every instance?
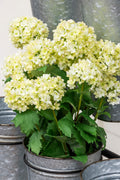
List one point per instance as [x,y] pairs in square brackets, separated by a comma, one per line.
[58,88]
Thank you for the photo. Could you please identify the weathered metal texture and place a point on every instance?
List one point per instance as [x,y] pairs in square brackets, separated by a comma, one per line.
[47,168]
[104,16]
[103,170]
[51,11]
[6,114]
[12,166]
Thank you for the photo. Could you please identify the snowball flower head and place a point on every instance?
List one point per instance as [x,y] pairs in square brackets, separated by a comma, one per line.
[43,93]
[37,54]
[24,29]
[72,41]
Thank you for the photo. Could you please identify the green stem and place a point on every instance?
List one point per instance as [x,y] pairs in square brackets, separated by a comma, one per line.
[80,101]
[63,143]
[97,114]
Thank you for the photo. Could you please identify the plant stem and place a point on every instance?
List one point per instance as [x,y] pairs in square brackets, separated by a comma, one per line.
[63,143]
[80,101]
[97,114]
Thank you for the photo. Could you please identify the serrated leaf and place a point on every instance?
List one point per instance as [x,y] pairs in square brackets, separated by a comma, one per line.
[66,125]
[87,137]
[54,70]
[102,134]
[53,149]
[48,114]
[27,121]
[52,129]
[89,129]
[58,138]
[38,72]
[70,97]
[35,144]
[88,118]
[105,113]
[78,142]
[81,158]
[65,106]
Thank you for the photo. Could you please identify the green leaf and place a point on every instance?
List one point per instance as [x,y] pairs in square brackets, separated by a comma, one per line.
[71,98]
[8,80]
[58,138]
[89,129]
[53,149]
[54,70]
[88,118]
[35,144]
[102,134]
[38,72]
[78,142]
[27,121]
[48,114]
[52,129]
[105,113]
[66,125]
[87,137]
[81,158]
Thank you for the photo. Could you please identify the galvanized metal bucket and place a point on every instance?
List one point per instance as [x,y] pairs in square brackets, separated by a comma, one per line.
[104,16]
[12,166]
[51,11]
[47,168]
[102,170]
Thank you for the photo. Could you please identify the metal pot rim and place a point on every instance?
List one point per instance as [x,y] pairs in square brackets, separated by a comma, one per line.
[96,163]
[47,157]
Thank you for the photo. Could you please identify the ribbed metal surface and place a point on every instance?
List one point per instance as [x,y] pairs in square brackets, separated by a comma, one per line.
[104,16]
[12,166]
[6,114]
[104,170]
[51,11]
[46,168]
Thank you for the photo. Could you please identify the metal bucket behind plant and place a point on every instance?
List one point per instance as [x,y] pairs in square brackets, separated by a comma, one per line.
[47,168]
[51,11]
[12,166]
[104,16]
[103,170]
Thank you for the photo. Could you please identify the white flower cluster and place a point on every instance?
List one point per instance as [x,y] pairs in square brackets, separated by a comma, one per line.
[45,92]
[74,49]
[37,54]
[24,29]
[13,67]
[72,41]
[83,71]
[107,54]
[102,85]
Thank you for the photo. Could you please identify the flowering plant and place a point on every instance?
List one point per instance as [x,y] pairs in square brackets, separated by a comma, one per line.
[59,88]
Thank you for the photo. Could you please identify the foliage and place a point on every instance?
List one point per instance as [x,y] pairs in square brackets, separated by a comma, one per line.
[60,87]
